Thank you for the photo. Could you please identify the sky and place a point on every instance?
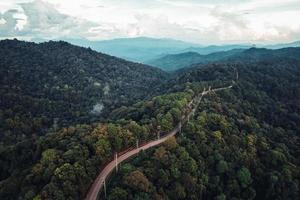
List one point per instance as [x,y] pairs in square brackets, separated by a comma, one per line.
[198,21]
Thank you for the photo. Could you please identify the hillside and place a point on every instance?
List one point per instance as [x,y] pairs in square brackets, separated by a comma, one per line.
[242,143]
[283,45]
[217,48]
[263,54]
[54,84]
[174,62]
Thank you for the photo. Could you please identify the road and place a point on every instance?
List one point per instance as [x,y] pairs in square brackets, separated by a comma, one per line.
[99,183]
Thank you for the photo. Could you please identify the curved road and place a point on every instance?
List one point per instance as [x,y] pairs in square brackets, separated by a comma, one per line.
[100,180]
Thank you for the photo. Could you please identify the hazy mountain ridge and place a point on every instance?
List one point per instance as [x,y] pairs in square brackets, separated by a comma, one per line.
[138,49]
[147,50]
[174,62]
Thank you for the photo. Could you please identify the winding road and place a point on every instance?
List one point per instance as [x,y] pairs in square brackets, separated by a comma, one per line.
[99,183]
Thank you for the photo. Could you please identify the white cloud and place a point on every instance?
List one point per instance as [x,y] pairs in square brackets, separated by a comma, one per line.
[207,21]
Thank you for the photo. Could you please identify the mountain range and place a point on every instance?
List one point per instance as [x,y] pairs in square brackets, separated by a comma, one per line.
[145,49]
[173,62]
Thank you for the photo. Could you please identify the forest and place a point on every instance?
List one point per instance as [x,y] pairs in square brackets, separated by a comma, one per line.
[242,143]
[66,110]
[52,85]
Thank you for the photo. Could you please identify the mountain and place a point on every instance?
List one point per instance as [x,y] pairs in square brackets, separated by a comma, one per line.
[147,50]
[263,54]
[173,62]
[283,45]
[144,49]
[215,48]
[242,143]
[138,49]
[53,84]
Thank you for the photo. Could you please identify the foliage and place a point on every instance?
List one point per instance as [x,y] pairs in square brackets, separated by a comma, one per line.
[55,84]
[243,143]
[64,163]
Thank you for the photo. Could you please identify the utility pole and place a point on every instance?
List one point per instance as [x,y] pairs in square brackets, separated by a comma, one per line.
[104,185]
[158,132]
[180,127]
[116,159]
[137,143]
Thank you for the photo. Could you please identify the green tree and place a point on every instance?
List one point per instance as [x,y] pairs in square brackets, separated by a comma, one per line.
[138,181]
[167,122]
[222,167]
[176,113]
[118,194]
[244,177]
[103,148]
[114,136]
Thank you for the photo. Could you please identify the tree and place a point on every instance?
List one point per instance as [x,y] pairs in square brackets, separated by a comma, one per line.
[218,135]
[176,113]
[221,197]
[167,122]
[222,167]
[170,143]
[244,177]
[138,181]
[114,136]
[118,194]
[103,148]
[48,156]
[178,192]
[160,154]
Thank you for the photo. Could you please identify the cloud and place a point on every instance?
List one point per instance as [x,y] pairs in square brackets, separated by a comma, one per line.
[43,20]
[229,18]
[9,22]
[207,21]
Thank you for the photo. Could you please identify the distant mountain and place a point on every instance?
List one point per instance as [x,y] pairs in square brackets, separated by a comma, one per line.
[55,83]
[215,48]
[146,50]
[138,49]
[263,54]
[174,62]
[279,46]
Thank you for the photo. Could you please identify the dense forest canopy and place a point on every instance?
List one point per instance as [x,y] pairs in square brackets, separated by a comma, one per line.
[242,144]
[54,84]
[66,110]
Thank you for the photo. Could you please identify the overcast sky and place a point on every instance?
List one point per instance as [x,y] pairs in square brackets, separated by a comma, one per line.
[201,21]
